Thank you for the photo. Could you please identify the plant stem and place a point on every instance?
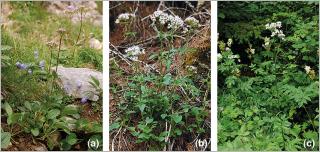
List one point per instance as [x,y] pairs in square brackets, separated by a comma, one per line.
[59,52]
[50,60]
[80,27]
[78,37]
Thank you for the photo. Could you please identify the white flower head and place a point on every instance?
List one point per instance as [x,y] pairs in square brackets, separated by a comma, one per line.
[173,22]
[252,51]
[233,56]
[307,68]
[133,52]
[229,43]
[124,17]
[278,24]
[275,29]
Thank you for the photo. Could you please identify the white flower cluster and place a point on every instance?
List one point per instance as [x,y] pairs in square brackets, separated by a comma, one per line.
[266,42]
[133,52]
[308,69]
[229,43]
[275,29]
[124,17]
[233,56]
[174,22]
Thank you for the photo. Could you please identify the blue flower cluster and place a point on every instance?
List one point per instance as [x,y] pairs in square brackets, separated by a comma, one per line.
[28,67]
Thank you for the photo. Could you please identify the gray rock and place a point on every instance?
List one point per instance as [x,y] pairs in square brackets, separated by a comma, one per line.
[75,82]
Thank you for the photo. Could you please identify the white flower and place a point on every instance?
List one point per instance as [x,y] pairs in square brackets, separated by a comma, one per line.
[252,51]
[307,68]
[219,56]
[275,29]
[266,42]
[228,49]
[173,22]
[278,24]
[233,56]
[229,43]
[133,52]
[124,17]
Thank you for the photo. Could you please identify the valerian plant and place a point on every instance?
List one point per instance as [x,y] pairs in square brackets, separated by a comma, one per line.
[270,101]
[158,105]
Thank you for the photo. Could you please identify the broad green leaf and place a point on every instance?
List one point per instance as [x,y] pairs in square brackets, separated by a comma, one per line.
[5,139]
[142,107]
[72,139]
[149,120]
[35,131]
[176,118]
[113,126]
[8,108]
[52,114]
[27,105]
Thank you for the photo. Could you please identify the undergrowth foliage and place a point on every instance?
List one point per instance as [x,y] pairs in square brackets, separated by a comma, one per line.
[160,105]
[268,75]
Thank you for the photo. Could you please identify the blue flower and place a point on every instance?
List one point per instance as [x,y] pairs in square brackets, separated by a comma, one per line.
[42,64]
[36,54]
[84,99]
[21,66]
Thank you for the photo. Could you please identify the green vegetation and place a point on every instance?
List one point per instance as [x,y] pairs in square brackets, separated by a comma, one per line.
[268,97]
[164,104]
[33,103]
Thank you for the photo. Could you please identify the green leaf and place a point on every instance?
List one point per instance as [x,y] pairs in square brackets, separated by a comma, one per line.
[64,145]
[35,131]
[142,107]
[70,110]
[52,114]
[113,126]
[163,116]
[176,118]
[149,120]
[72,139]
[8,108]
[178,132]
[5,139]
[27,105]
[153,56]
[167,79]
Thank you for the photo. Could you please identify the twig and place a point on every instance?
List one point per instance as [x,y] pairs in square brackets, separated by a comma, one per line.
[112,143]
[116,6]
[117,52]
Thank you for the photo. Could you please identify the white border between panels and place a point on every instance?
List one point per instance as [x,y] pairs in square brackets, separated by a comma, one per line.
[105,107]
[214,76]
